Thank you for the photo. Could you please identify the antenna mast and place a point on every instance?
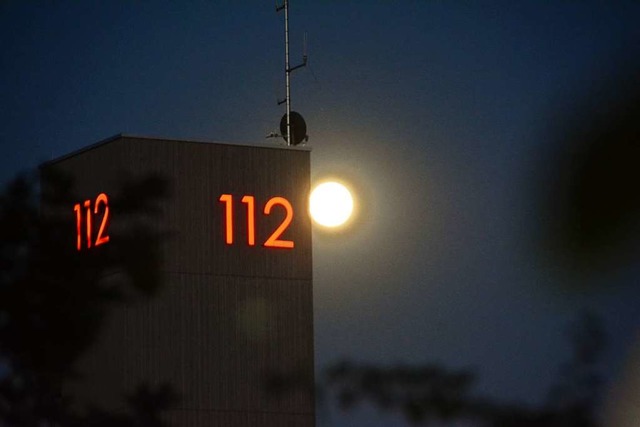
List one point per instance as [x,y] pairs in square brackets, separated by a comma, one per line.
[287,68]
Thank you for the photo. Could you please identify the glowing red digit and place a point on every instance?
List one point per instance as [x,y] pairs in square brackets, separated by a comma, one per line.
[274,240]
[87,205]
[227,199]
[78,212]
[251,219]
[102,238]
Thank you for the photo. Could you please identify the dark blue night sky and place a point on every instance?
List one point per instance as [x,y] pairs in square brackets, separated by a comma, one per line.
[438,113]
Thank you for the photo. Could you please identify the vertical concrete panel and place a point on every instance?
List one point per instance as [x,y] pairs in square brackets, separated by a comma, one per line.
[228,316]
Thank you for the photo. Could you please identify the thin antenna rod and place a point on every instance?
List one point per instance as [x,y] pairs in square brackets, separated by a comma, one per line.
[304,49]
[287,68]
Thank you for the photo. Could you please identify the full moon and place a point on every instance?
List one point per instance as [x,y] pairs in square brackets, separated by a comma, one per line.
[330,204]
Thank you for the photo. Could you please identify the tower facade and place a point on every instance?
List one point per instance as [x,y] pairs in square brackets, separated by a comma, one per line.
[233,309]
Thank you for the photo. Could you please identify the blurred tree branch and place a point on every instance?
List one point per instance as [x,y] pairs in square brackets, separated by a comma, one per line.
[590,204]
[53,299]
[432,393]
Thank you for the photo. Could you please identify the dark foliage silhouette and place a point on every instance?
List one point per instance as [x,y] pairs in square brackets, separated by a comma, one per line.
[589,196]
[432,394]
[420,393]
[53,299]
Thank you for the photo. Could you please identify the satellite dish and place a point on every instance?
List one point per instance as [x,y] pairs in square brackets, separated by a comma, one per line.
[298,128]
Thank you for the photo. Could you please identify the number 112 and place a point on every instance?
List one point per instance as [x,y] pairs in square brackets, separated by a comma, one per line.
[102,236]
[274,240]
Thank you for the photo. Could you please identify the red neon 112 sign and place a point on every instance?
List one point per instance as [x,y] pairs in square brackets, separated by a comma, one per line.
[86,233]
[274,240]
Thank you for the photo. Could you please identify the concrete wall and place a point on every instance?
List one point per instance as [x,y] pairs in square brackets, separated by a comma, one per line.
[227,316]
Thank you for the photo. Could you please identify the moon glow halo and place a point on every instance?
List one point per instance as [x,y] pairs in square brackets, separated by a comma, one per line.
[330,204]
